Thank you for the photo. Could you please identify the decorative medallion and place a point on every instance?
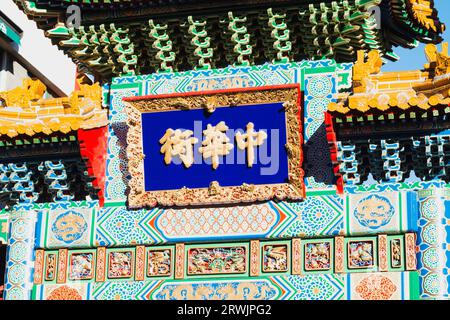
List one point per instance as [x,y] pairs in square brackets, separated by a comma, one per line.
[64,293]
[374,211]
[69,227]
[376,287]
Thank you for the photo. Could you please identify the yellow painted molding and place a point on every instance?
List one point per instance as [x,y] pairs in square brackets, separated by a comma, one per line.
[25,111]
[375,91]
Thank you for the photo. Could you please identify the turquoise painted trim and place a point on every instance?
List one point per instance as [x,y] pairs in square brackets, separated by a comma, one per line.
[330,192]
[9,32]
[38,238]
[114,204]
[414,286]
[413,211]
[400,207]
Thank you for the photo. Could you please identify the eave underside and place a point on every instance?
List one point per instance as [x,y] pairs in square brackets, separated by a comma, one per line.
[118,38]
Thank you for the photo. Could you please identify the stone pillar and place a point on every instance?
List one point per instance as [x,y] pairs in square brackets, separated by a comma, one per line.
[20,265]
[432,243]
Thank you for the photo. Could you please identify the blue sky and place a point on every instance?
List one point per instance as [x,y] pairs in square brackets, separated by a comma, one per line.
[413,59]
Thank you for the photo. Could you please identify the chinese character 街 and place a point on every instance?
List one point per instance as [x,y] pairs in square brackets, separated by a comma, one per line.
[178,143]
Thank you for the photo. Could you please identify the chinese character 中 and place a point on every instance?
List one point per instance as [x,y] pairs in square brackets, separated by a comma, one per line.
[216,143]
[178,143]
[249,141]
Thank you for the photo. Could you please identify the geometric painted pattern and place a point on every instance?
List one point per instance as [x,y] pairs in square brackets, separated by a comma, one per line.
[319,89]
[129,290]
[3,228]
[433,256]
[114,225]
[119,226]
[19,273]
[312,287]
[314,217]
[195,224]
[396,286]
[374,187]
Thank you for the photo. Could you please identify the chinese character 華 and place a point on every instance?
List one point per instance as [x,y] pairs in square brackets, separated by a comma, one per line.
[216,143]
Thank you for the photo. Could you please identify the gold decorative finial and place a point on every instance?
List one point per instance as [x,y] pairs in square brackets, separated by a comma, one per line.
[25,111]
[362,69]
[214,188]
[30,91]
[438,62]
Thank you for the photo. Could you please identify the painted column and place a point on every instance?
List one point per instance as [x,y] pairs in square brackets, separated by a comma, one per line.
[20,265]
[432,243]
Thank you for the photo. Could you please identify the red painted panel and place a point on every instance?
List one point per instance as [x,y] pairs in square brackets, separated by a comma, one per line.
[331,137]
[93,146]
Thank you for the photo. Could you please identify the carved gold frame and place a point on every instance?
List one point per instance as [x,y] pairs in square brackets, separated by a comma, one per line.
[294,189]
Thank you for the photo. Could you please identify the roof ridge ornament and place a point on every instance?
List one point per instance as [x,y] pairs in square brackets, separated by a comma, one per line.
[438,62]
[365,67]
[30,91]
[395,92]
[26,111]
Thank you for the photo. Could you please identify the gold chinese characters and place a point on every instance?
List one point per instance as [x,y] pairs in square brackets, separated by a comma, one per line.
[216,143]
[180,143]
[249,141]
